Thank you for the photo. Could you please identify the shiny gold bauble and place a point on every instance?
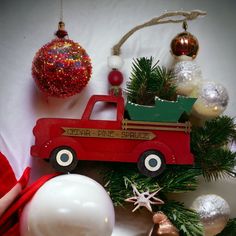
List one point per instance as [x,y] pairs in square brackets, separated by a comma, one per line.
[184,44]
[214,213]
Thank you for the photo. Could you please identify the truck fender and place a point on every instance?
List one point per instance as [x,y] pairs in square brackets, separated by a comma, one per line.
[50,145]
[158,146]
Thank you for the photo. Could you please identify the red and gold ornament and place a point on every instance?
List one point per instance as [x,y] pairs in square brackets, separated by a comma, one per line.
[61,68]
[184,44]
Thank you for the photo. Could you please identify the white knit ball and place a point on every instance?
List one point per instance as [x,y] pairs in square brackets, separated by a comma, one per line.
[115,62]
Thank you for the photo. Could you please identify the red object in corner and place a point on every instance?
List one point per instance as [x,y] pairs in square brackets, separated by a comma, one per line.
[7,176]
[9,221]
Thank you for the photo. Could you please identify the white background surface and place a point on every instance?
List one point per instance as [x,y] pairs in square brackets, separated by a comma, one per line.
[97,25]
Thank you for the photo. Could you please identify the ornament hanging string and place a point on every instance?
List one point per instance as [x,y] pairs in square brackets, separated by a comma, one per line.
[61,10]
[163,19]
[61,32]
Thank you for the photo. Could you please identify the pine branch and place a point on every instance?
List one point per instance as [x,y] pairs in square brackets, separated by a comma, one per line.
[217,163]
[179,180]
[186,220]
[149,80]
[208,144]
[164,79]
[119,188]
[173,180]
[230,229]
[215,133]
[142,74]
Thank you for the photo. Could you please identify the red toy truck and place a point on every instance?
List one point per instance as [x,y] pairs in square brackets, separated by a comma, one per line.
[151,145]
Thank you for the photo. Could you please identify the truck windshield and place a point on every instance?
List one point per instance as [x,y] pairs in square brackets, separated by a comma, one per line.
[104,111]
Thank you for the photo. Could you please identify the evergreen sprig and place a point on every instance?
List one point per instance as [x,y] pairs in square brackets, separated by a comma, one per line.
[179,180]
[217,163]
[173,180]
[215,133]
[148,80]
[186,220]
[208,144]
[118,187]
[230,229]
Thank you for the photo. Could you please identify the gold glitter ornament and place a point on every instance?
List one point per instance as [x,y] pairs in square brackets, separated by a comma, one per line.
[212,100]
[187,76]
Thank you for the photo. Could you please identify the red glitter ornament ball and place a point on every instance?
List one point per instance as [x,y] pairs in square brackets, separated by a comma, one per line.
[61,68]
[185,44]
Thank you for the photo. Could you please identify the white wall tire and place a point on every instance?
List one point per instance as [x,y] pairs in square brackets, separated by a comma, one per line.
[151,163]
[64,159]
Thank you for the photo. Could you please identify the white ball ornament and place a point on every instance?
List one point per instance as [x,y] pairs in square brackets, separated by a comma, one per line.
[212,100]
[115,62]
[71,205]
[187,76]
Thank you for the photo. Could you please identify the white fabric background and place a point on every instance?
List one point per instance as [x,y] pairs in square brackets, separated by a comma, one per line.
[97,25]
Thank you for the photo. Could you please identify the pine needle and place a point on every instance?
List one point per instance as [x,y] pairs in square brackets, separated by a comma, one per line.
[149,80]
[209,146]
[186,220]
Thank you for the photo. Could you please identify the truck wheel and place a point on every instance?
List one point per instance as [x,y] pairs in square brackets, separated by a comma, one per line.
[151,163]
[63,159]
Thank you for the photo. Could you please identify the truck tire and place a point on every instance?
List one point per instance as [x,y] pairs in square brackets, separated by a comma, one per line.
[151,163]
[63,159]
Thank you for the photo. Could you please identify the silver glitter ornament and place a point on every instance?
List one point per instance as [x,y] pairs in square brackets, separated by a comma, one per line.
[214,213]
[212,100]
[187,75]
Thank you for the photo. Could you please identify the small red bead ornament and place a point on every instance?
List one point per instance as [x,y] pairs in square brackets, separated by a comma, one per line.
[115,77]
[185,44]
[61,68]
